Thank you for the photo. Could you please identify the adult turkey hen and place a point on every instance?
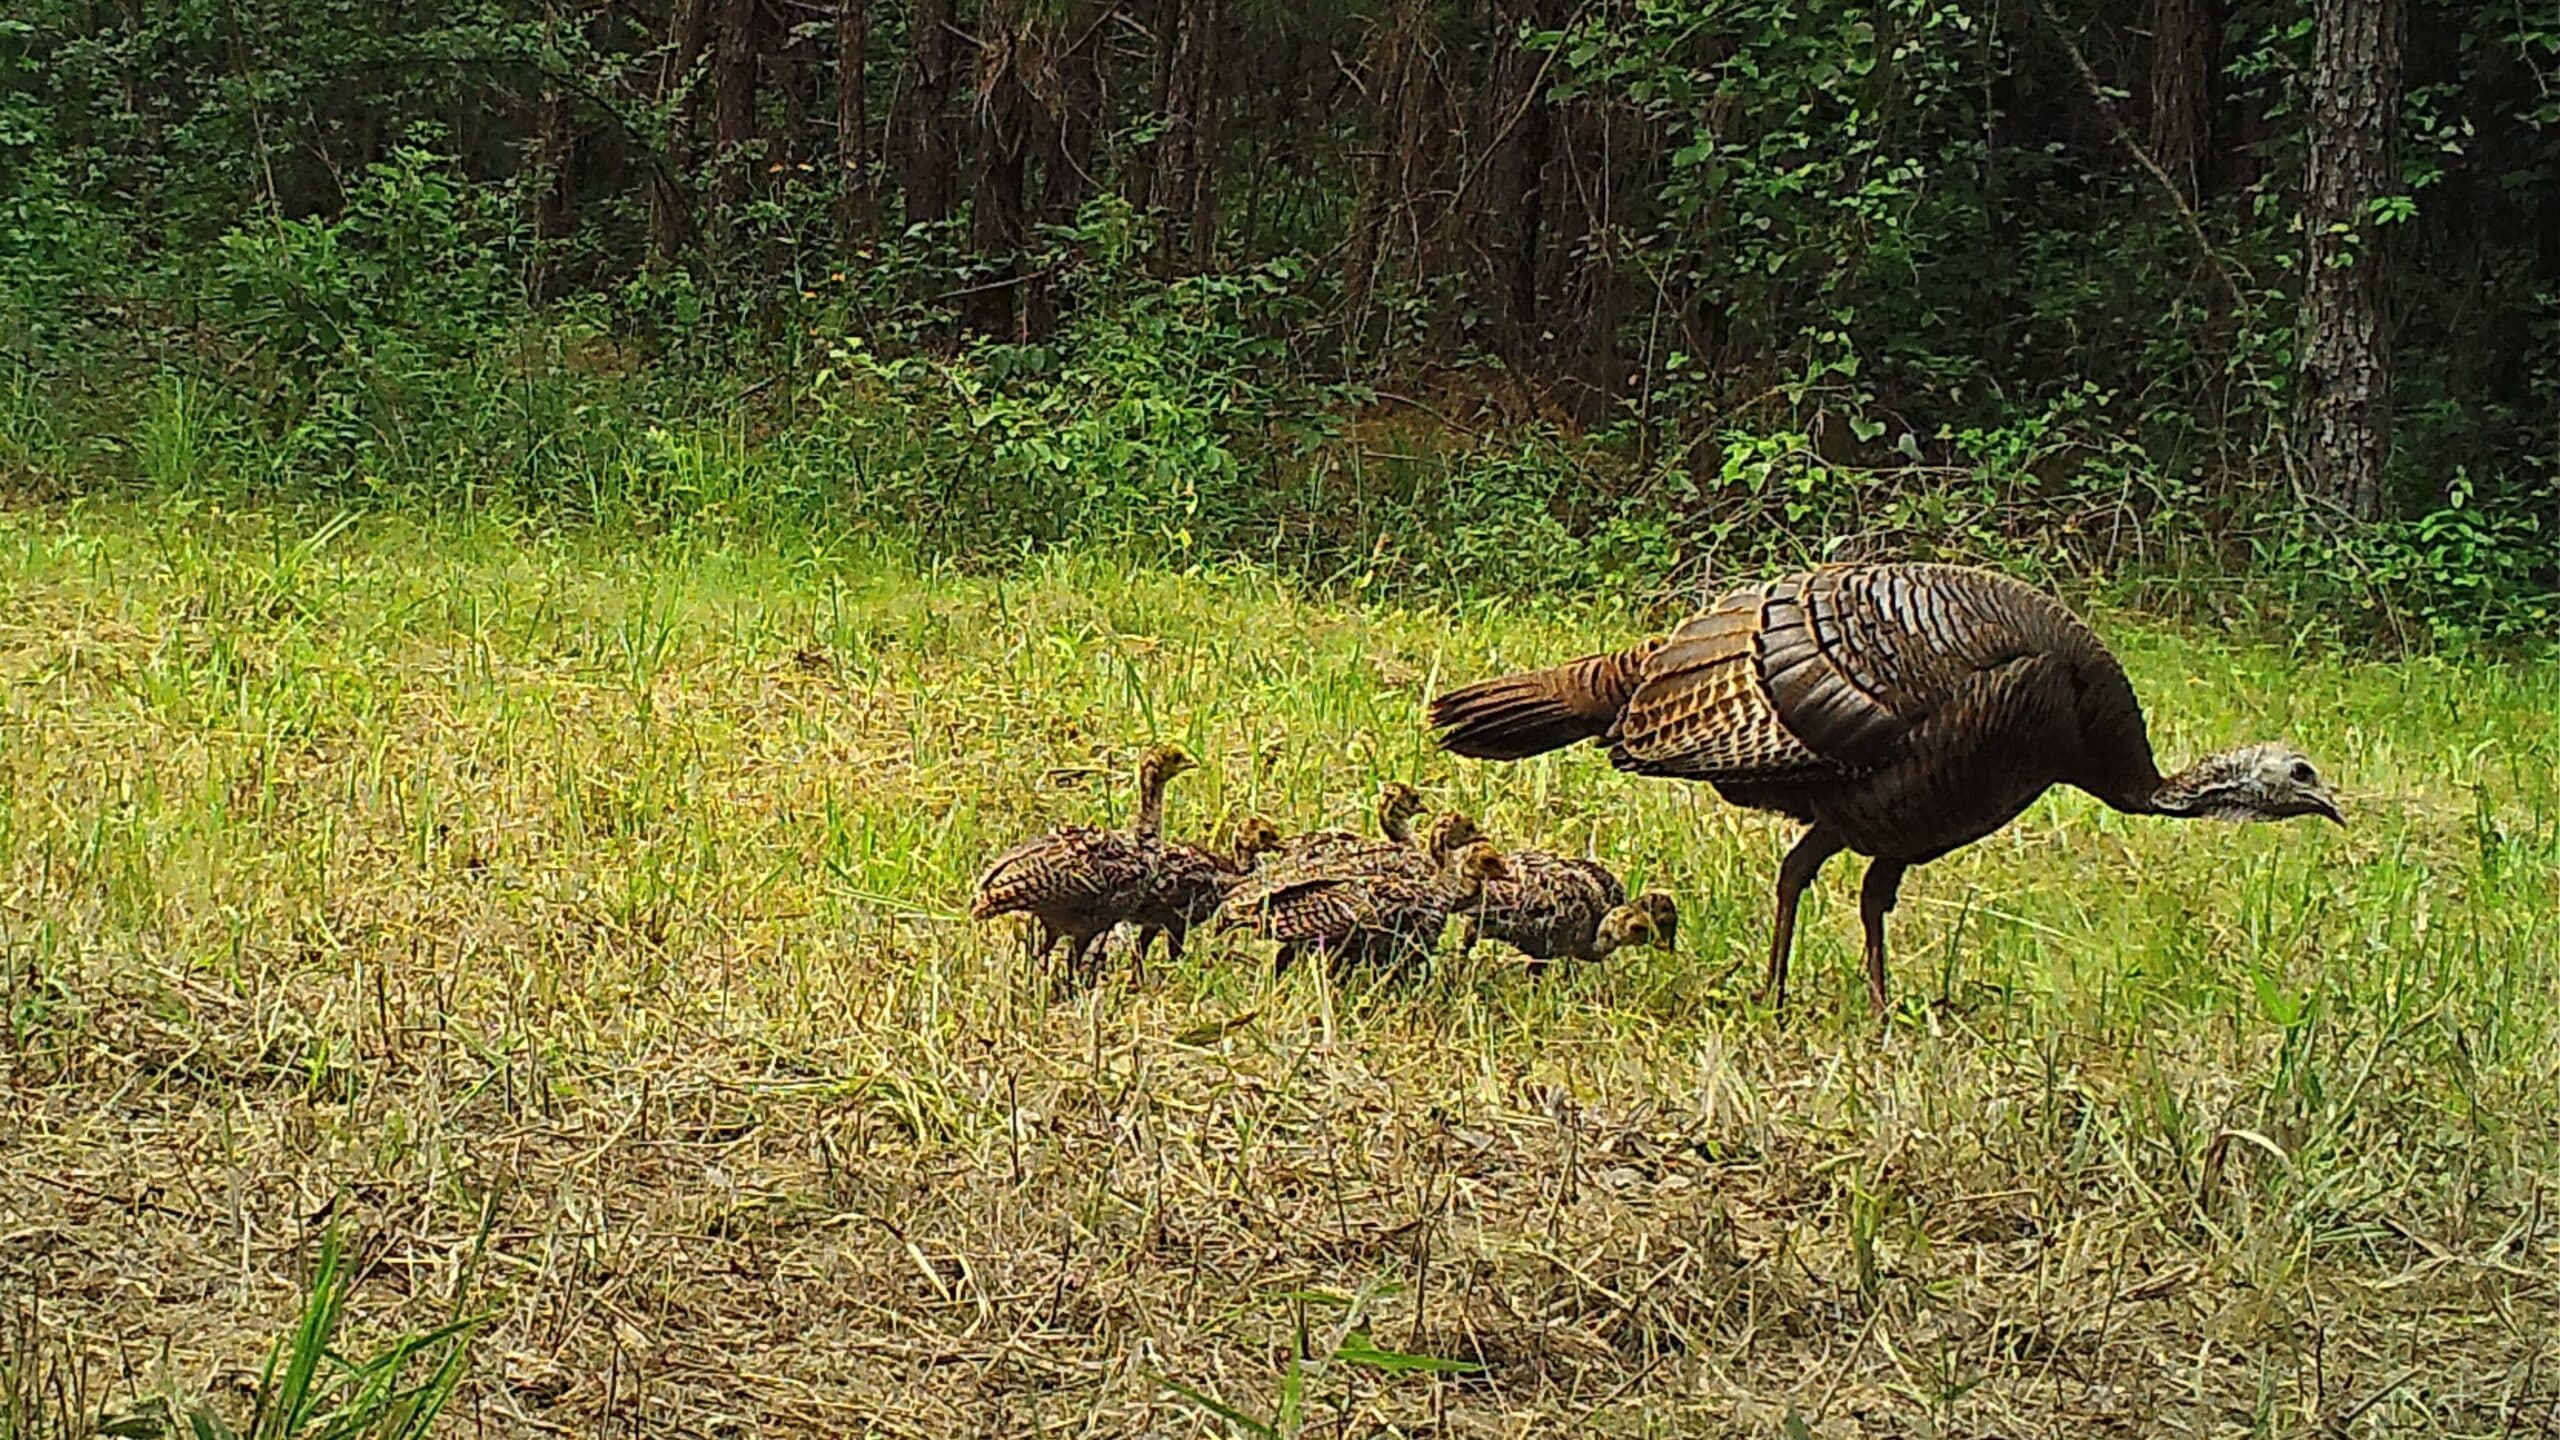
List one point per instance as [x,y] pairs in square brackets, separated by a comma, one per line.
[1897,710]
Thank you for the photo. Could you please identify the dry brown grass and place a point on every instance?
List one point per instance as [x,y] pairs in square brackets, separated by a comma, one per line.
[577,928]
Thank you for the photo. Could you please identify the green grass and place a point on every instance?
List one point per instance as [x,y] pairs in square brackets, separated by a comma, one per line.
[578,924]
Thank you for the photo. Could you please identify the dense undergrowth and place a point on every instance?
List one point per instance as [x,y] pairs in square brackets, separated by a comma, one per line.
[388,358]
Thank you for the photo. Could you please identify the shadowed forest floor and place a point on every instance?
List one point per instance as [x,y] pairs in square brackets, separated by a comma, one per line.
[579,927]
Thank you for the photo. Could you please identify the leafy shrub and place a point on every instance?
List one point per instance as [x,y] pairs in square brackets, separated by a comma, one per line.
[361,326]
[2458,572]
[1152,424]
[58,251]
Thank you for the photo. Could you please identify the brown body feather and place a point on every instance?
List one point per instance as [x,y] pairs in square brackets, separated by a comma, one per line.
[1367,913]
[1078,881]
[1548,907]
[1075,883]
[1335,854]
[1190,883]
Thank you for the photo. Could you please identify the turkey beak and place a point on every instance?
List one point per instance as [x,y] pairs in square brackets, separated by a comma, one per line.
[2325,805]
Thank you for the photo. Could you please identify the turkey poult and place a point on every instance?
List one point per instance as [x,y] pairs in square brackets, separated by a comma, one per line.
[1192,881]
[1398,803]
[1898,710]
[1369,916]
[1078,881]
[1550,907]
[1334,854]
[1652,918]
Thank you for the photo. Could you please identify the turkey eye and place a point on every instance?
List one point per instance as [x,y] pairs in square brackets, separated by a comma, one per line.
[2302,774]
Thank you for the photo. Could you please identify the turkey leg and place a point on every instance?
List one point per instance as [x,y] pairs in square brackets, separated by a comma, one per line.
[1794,873]
[1083,965]
[1875,901]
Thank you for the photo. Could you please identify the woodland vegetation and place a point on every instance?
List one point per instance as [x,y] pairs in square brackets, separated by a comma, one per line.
[1384,288]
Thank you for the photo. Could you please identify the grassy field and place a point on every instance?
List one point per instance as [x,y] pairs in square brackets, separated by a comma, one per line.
[577,927]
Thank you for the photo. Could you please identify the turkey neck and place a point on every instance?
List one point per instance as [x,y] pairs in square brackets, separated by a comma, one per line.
[1151,780]
[2115,762]
[2181,795]
[2184,795]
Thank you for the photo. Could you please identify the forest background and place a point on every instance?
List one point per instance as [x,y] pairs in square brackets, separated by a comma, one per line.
[1517,296]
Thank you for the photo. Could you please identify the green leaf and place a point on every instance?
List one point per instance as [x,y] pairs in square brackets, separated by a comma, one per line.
[2285,1010]
[1286,1420]
[1213,1031]
[148,1421]
[1217,1407]
[1359,1350]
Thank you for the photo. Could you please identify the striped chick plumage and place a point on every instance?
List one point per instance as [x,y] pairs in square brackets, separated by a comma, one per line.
[1374,914]
[1548,907]
[1078,881]
[1192,881]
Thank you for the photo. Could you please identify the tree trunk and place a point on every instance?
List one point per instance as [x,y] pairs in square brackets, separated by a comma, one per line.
[670,213]
[1203,182]
[1009,47]
[926,181]
[2186,69]
[2344,405]
[733,115]
[1075,121]
[554,145]
[1184,192]
[789,72]
[1531,142]
[1379,203]
[853,122]
[1067,133]
[1144,183]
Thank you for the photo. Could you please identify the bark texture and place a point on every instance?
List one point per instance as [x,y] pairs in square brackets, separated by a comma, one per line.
[853,116]
[670,212]
[733,111]
[2344,414]
[2186,53]
[929,160]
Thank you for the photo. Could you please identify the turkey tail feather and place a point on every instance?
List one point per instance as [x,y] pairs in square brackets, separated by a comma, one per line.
[1513,717]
